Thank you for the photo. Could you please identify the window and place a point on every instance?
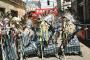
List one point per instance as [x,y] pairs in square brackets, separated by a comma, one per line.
[2,10]
[14,13]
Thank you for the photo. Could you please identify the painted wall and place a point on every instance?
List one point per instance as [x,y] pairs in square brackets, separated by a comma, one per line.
[44,4]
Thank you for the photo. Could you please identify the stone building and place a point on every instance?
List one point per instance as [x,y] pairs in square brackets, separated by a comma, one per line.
[16,7]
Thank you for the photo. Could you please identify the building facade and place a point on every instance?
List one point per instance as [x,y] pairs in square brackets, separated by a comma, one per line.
[48,3]
[32,5]
[42,4]
[16,7]
[82,10]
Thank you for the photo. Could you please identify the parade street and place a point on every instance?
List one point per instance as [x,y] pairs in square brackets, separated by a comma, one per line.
[85,55]
[44,29]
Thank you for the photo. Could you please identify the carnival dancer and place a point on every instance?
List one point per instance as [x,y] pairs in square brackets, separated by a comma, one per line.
[8,41]
[43,36]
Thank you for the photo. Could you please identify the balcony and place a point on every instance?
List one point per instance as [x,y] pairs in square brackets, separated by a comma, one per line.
[18,2]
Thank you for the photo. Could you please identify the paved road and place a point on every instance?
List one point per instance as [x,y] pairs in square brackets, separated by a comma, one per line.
[85,54]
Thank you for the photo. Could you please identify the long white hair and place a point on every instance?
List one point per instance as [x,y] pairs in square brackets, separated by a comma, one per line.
[71,27]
